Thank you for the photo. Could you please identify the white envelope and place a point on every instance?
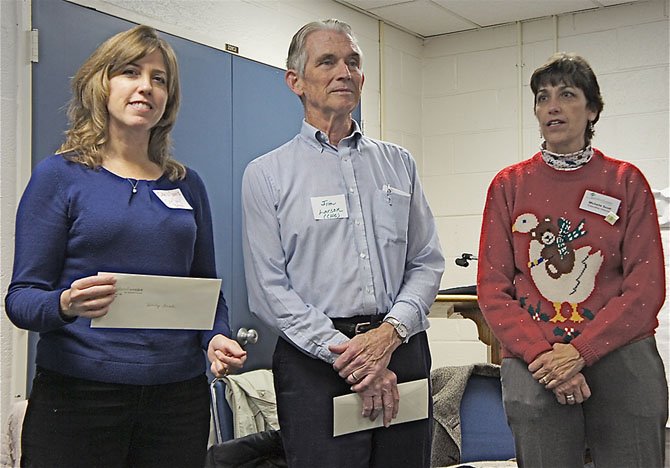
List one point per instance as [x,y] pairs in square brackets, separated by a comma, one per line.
[348,409]
[161,302]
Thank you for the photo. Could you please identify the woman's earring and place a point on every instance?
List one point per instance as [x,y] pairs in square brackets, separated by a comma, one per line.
[591,126]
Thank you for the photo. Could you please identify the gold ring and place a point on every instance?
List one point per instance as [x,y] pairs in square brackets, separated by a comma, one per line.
[544,380]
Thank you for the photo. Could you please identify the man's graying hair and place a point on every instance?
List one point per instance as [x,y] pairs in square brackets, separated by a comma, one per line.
[297,54]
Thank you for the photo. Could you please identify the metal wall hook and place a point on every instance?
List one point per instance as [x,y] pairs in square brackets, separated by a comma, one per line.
[245,337]
[463,259]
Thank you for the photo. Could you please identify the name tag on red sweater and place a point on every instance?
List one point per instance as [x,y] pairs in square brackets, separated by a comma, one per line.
[599,203]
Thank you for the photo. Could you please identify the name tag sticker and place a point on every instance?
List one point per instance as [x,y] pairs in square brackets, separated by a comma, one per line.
[330,207]
[173,199]
[599,203]
[611,218]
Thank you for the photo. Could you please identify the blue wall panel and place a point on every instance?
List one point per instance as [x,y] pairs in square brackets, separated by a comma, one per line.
[233,110]
[266,115]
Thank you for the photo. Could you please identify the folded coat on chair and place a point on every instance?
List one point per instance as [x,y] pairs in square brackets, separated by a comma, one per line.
[251,396]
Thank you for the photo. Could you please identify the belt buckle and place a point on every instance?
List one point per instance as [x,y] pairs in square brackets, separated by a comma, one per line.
[359,328]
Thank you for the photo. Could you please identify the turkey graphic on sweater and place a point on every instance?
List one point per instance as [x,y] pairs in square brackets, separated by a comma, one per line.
[561,274]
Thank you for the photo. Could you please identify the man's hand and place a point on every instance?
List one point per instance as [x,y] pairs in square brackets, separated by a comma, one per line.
[380,396]
[367,354]
[557,366]
[226,355]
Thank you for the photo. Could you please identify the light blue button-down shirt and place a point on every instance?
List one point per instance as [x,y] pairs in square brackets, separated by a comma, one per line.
[379,254]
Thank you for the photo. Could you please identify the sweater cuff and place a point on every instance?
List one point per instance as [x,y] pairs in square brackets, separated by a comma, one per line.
[64,319]
[588,354]
[534,350]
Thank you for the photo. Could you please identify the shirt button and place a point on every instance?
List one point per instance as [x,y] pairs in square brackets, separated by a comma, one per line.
[357,222]
[351,190]
[362,255]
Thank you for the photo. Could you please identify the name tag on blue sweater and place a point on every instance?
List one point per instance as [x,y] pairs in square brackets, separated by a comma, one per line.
[173,199]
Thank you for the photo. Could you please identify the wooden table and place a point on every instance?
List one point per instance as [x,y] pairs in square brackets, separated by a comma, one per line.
[468,307]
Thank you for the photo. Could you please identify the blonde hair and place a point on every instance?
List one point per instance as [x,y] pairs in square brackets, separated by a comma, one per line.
[87,110]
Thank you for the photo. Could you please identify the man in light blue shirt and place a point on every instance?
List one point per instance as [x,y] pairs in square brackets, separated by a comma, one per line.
[342,259]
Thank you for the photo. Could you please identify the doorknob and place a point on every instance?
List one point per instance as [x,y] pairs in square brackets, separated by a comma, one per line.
[245,336]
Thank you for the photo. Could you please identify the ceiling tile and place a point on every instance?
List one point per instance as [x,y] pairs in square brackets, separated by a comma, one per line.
[423,17]
[492,12]
[434,17]
[614,2]
[369,4]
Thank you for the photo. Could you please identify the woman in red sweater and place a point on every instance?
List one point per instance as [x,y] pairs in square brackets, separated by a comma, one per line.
[571,280]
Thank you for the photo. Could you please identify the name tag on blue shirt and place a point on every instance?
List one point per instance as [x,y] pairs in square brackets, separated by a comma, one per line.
[173,199]
[330,207]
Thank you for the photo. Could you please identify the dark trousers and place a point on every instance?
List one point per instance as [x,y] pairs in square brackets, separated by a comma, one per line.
[305,388]
[73,422]
[622,423]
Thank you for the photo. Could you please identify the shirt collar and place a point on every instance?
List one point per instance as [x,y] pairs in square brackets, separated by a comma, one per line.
[319,139]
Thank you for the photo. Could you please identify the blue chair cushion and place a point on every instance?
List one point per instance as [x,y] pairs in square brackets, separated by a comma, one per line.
[484,430]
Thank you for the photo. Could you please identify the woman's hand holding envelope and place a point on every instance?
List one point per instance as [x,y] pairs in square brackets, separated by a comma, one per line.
[226,355]
[88,297]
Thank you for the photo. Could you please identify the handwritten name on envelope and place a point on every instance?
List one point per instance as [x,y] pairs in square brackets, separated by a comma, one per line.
[161,302]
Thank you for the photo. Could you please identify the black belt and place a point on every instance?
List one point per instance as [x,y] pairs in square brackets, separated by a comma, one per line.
[352,326]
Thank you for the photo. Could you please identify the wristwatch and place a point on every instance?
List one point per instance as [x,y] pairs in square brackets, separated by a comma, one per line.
[400,329]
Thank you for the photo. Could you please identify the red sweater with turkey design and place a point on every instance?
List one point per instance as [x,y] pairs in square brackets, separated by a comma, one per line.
[551,271]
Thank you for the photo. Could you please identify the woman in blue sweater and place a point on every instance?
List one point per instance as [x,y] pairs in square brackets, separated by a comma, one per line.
[114,200]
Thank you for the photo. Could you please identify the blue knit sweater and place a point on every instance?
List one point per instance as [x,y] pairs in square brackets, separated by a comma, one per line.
[73,222]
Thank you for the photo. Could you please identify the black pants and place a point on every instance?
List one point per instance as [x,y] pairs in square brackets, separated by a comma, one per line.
[81,423]
[305,389]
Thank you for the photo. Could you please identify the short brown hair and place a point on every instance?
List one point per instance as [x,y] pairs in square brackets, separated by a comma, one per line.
[572,70]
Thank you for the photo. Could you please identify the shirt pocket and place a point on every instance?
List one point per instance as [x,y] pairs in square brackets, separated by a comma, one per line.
[392,214]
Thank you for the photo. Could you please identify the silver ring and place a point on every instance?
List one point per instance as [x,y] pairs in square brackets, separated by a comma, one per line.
[570,397]
[353,376]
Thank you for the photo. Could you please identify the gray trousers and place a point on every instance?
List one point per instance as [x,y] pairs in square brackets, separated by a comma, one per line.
[622,423]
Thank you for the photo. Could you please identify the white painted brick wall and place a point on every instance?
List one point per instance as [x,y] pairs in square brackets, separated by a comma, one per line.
[470,103]
[455,342]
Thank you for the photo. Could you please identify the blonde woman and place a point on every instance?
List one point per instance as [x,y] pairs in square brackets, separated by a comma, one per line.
[113,199]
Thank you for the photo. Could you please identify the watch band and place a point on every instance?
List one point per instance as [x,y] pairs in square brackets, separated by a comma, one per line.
[400,329]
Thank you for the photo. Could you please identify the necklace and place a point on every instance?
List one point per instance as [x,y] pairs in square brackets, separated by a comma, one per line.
[133,185]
